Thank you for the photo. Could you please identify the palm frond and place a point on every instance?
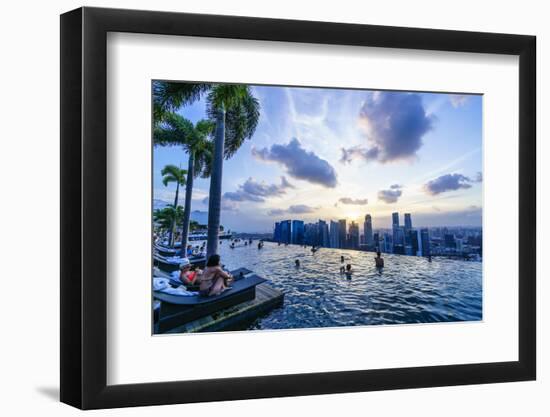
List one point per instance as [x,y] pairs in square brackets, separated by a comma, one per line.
[170,96]
[241,117]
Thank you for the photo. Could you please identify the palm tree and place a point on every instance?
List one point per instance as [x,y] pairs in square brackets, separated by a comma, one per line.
[235,112]
[176,130]
[166,217]
[172,173]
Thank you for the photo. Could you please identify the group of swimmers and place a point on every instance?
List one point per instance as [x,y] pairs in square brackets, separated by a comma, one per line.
[348,270]
[246,243]
[213,280]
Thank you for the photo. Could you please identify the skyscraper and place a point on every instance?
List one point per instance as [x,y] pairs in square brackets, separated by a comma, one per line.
[297,232]
[425,239]
[277,232]
[334,234]
[343,233]
[354,235]
[368,231]
[395,226]
[286,231]
[408,222]
[323,234]
[311,235]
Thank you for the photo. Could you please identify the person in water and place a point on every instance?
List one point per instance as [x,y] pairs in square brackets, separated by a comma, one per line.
[297,263]
[187,275]
[214,280]
[342,259]
[379,261]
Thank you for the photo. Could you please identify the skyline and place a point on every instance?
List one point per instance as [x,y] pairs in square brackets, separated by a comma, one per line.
[365,152]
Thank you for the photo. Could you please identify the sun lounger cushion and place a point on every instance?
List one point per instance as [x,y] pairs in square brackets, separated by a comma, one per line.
[236,287]
[162,285]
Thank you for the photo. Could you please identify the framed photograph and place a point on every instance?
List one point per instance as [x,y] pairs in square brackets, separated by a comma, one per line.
[258,208]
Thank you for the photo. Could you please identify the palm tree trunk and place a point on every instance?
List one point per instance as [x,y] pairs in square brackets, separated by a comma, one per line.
[173,228]
[188,196]
[215,196]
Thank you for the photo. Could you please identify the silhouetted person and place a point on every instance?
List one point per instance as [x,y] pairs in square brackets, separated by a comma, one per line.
[379,261]
[297,263]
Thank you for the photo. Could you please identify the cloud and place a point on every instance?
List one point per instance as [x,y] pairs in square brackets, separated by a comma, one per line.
[352,201]
[358,152]
[256,191]
[294,209]
[227,205]
[392,195]
[479,177]
[299,163]
[458,100]
[394,123]
[447,182]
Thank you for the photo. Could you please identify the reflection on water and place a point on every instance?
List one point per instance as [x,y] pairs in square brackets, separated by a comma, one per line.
[408,290]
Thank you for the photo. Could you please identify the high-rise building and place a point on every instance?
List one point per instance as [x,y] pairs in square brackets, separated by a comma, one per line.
[376,241]
[323,234]
[414,242]
[354,235]
[334,234]
[395,227]
[408,222]
[387,243]
[343,233]
[286,236]
[311,235]
[425,242]
[368,231]
[297,232]
[277,232]
[449,240]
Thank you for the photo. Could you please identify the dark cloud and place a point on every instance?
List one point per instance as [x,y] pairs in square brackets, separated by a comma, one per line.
[447,182]
[299,163]
[395,124]
[391,195]
[358,152]
[354,201]
[256,191]
[294,209]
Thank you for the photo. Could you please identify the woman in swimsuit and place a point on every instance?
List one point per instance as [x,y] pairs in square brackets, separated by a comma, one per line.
[214,279]
[189,276]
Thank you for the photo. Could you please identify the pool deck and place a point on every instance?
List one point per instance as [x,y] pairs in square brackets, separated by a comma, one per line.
[266,299]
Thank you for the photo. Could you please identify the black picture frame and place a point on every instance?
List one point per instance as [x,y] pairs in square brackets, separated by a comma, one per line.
[84,207]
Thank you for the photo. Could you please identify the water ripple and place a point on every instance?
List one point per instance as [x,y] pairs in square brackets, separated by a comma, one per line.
[408,290]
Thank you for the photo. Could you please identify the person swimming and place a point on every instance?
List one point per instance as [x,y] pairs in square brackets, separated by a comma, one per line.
[379,261]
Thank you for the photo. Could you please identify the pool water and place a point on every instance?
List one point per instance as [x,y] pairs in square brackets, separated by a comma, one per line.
[407,290]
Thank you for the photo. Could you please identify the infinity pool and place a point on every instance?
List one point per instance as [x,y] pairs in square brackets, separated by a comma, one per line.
[407,290]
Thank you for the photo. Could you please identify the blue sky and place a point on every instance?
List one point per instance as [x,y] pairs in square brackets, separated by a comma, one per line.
[333,153]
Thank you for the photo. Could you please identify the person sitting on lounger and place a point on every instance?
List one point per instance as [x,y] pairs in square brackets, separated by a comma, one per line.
[214,279]
[187,275]
[379,261]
